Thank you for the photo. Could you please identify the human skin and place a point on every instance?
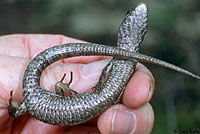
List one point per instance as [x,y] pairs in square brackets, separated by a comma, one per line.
[132,114]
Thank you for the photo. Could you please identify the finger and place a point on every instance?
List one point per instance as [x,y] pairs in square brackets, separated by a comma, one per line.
[140,88]
[120,119]
[28,46]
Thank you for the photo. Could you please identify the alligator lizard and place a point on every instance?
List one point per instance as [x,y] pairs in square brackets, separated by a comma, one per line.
[77,108]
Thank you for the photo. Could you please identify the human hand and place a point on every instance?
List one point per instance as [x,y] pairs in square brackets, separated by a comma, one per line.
[133,114]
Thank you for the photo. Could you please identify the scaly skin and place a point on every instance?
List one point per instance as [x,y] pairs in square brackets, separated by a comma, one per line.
[78,108]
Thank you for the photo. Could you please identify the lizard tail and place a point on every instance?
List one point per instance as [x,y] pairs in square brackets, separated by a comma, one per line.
[149,59]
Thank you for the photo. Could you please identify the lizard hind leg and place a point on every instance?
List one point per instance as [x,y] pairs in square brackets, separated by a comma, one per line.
[60,86]
[15,110]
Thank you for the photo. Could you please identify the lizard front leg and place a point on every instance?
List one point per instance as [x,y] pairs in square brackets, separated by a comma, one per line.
[15,110]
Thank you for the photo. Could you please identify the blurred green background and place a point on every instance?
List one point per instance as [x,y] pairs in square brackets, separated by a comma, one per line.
[173,35]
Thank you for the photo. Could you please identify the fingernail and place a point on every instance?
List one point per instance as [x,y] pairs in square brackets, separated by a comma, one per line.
[123,121]
[150,92]
[93,70]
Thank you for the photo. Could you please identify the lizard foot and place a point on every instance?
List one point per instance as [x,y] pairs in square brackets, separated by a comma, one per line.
[60,86]
[13,106]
